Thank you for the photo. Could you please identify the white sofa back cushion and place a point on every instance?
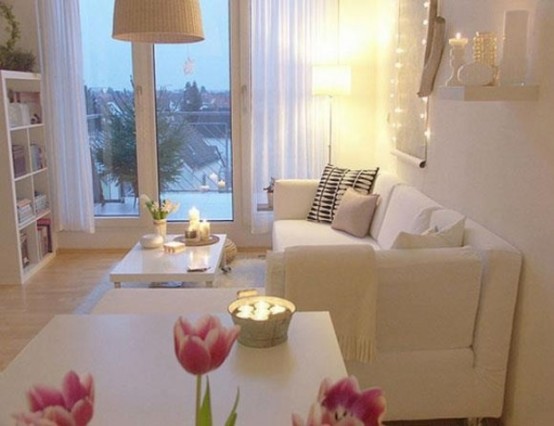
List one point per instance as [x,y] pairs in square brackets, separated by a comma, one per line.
[295,198]
[403,200]
[383,186]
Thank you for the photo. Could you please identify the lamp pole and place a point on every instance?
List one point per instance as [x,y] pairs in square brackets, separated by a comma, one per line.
[330,129]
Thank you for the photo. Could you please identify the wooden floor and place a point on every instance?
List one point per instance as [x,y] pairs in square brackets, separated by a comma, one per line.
[59,288]
[70,284]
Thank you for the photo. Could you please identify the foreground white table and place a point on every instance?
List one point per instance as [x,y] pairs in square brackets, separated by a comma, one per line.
[139,381]
[154,265]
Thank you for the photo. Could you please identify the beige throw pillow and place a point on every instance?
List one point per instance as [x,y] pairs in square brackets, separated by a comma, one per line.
[355,213]
[451,236]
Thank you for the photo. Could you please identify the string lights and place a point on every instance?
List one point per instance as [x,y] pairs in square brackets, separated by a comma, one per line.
[422,108]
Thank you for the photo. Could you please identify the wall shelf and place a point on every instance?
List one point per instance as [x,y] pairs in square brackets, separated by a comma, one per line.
[489,93]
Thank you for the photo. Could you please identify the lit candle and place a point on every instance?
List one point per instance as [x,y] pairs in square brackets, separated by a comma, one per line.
[221,184]
[194,215]
[204,229]
[458,41]
[261,305]
[276,309]
[260,315]
[246,308]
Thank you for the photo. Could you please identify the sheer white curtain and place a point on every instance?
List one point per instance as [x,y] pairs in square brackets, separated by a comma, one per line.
[289,135]
[65,114]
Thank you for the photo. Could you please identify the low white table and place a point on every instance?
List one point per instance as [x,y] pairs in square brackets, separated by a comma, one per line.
[138,380]
[154,265]
[160,301]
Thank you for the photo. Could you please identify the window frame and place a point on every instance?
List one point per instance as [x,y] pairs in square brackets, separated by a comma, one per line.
[145,110]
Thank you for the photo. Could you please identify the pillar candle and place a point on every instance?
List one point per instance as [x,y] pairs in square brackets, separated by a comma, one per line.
[458,41]
[194,214]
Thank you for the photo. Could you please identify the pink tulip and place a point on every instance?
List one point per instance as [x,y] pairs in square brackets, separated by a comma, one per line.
[342,404]
[202,347]
[72,406]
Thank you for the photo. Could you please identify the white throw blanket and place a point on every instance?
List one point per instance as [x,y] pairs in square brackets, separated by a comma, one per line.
[316,281]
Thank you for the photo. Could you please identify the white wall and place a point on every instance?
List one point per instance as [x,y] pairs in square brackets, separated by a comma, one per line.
[495,163]
[366,39]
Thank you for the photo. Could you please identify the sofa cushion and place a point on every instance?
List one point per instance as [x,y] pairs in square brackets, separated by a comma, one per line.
[450,236]
[444,218]
[408,209]
[384,184]
[332,185]
[355,213]
[289,233]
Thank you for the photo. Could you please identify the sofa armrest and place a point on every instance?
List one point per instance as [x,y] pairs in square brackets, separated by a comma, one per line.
[427,298]
[292,198]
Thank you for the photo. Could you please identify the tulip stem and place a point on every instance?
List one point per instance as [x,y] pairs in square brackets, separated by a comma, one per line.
[198,393]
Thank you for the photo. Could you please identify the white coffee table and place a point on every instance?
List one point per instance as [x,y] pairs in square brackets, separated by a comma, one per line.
[160,301]
[154,265]
[138,380]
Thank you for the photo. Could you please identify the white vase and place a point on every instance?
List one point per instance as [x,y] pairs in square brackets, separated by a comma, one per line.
[160,227]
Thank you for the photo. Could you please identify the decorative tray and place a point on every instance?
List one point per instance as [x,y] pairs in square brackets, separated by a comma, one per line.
[193,243]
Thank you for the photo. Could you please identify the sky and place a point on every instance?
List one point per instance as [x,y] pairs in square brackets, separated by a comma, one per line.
[107,62]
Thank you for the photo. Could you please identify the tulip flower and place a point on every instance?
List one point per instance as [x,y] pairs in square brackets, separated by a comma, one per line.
[343,404]
[201,348]
[72,406]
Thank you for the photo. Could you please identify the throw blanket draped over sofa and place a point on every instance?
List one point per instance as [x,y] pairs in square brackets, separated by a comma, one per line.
[443,314]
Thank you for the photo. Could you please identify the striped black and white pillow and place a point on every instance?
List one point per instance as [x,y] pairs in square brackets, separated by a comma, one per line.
[333,184]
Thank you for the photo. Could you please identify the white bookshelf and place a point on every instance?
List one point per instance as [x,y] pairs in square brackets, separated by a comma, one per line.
[24,185]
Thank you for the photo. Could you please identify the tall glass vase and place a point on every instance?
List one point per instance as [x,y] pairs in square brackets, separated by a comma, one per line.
[160,227]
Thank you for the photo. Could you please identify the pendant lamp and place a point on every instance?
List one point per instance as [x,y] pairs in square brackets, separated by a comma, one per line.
[158,21]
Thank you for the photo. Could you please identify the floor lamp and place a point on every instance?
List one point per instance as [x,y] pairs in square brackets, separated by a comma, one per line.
[331,80]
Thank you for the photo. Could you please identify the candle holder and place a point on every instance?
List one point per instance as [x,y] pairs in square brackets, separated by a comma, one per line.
[264,320]
[457,53]
[191,235]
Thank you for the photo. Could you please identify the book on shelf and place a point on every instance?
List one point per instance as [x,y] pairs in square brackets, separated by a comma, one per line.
[19,163]
[24,249]
[43,241]
[44,228]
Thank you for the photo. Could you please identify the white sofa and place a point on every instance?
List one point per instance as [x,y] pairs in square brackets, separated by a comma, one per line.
[444,315]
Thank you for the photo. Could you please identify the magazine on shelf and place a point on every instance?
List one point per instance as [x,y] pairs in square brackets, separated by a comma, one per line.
[37,157]
[19,164]
[41,202]
[25,210]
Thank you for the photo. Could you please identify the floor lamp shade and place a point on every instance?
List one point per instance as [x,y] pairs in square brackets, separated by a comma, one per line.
[331,80]
[158,21]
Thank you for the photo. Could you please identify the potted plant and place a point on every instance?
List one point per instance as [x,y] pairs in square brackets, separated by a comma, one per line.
[269,189]
[12,58]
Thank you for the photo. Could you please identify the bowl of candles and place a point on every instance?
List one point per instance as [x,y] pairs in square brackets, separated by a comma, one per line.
[264,320]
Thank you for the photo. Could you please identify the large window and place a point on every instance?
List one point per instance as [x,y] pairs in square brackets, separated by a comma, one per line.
[193,118]
[193,157]
[110,112]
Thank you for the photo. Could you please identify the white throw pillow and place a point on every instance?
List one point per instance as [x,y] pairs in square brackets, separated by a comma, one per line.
[355,213]
[451,236]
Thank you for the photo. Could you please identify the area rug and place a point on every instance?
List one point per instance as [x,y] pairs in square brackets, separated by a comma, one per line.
[247,271]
